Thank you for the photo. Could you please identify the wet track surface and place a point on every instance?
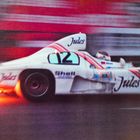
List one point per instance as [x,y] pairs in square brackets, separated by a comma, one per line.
[71,117]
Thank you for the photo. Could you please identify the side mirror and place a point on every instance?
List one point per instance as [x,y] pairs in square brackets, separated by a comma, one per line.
[122,62]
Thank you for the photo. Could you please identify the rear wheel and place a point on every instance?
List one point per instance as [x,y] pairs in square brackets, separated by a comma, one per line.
[36,85]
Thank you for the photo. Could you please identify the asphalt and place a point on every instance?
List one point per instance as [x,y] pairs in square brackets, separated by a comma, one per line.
[71,118]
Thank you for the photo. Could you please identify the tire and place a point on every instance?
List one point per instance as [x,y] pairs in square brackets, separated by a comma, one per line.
[36,85]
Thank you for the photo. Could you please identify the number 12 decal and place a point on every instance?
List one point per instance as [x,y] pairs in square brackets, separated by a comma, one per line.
[63,58]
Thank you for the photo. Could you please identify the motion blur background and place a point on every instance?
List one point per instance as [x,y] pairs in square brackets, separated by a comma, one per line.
[111,25]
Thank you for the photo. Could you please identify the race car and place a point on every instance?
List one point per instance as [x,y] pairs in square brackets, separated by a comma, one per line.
[64,67]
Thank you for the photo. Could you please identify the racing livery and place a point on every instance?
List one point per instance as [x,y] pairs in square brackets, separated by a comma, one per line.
[64,67]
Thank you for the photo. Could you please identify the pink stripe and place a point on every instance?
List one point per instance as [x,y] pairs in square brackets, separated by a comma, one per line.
[88,59]
[135,72]
[60,46]
[56,48]
[96,62]
[93,62]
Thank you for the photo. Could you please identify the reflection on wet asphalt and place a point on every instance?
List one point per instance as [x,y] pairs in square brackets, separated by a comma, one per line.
[67,118]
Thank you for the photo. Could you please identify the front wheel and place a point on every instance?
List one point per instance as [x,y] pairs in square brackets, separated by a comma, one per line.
[36,86]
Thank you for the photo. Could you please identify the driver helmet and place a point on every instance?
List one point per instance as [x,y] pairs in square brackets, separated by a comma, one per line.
[103,55]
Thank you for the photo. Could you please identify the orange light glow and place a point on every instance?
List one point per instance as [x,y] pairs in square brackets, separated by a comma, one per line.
[18,89]
[6,95]
[6,91]
[7,100]
[1,91]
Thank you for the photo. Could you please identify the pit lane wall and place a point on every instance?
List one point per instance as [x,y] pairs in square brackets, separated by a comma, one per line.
[110,25]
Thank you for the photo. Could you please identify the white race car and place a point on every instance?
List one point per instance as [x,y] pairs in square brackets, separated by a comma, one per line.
[63,67]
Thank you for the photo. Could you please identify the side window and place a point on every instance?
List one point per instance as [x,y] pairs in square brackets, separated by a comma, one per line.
[64,58]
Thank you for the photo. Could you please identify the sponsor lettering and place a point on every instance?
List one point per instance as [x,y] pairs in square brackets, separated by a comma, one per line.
[76,41]
[96,76]
[103,76]
[65,75]
[9,76]
[109,63]
[132,83]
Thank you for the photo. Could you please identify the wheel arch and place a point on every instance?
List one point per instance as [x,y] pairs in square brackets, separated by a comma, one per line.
[48,72]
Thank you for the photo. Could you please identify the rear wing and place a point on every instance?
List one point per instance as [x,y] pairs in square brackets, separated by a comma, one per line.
[73,42]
